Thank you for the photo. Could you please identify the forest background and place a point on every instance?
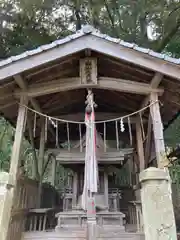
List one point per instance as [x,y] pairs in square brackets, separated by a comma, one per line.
[27,24]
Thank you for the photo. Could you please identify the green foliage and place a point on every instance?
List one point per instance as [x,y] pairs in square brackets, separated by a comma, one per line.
[174,171]
[6,143]
[6,140]
[27,24]
[172,134]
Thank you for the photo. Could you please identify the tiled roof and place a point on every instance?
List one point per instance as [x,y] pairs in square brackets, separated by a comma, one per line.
[84,31]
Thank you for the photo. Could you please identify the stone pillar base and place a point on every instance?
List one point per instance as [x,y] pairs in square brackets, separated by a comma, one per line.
[91,229]
[157,207]
[6,201]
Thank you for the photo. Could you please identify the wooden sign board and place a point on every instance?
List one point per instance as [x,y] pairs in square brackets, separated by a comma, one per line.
[88,71]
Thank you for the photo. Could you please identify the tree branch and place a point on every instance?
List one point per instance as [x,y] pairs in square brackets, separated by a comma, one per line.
[110,17]
[163,43]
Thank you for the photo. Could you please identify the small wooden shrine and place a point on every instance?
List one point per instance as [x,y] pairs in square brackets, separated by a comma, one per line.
[97,105]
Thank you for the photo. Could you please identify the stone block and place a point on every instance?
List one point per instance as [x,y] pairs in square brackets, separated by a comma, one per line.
[6,198]
[157,207]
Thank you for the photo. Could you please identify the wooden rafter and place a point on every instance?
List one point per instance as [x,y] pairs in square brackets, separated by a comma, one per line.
[126,66]
[114,106]
[50,67]
[123,74]
[62,106]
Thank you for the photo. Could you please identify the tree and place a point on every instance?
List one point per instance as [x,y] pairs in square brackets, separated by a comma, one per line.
[27,24]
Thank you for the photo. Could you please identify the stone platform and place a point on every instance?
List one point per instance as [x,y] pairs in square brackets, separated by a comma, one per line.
[80,218]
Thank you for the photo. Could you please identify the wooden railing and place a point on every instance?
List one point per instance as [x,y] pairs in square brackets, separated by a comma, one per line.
[26,194]
[40,220]
[135,215]
[25,198]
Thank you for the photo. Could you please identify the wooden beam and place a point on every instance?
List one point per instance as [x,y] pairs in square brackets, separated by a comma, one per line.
[100,116]
[54,86]
[140,148]
[156,80]
[127,86]
[23,85]
[74,83]
[158,132]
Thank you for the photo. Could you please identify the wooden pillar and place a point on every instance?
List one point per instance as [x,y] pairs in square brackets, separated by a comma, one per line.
[18,139]
[130,169]
[75,189]
[35,173]
[41,161]
[158,131]
[53,179]
[106,195]
[7,194]
[140,148]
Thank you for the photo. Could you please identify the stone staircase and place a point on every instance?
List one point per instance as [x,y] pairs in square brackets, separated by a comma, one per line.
[79,233]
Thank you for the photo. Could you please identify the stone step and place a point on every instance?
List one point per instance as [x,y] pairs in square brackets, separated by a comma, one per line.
[79,233]
[115,232]
[67,235]
[123,236]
